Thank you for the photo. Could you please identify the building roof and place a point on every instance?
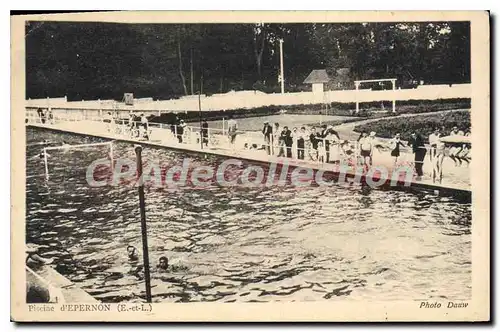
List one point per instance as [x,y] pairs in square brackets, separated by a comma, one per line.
[317,76]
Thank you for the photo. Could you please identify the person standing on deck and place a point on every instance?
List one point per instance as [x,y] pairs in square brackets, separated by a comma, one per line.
[286,138]
[434,141]
[50,116]
[334,143]
[144,124]
[326,143]
[321,152]
[40,115]
[232,127]
[365,149]
[396,145]
[204,133]
[131,122]
[374,143]
[313,139]
[301,143]
[417,144]
[276,141]
[294,135]
[174,125]
[268,133]
[180,130]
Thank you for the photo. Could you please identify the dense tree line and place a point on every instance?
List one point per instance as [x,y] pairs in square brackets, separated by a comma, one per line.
[104,60]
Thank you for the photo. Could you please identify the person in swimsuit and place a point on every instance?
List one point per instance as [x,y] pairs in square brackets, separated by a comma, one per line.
[204,133]
[434,141]
[437,156]
[313,139]
[232,129]
[396,146]
[365,149]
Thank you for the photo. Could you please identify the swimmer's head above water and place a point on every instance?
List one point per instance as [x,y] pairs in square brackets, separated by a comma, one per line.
[132,253]
[163,263]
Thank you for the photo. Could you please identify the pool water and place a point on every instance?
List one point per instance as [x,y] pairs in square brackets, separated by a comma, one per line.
[234,244]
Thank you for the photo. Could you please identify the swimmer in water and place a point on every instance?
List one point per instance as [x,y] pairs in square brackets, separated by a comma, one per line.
[164,266]
[132,253]
[162,263]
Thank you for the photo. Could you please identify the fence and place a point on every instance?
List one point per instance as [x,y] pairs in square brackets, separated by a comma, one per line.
[252,99]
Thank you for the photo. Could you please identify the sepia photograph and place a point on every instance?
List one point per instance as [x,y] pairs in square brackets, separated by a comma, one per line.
[251,161]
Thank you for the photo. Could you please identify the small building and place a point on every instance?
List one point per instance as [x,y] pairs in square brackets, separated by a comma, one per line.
[318,78]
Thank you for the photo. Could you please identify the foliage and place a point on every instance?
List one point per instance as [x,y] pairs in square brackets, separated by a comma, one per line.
[424,124]
[104,60]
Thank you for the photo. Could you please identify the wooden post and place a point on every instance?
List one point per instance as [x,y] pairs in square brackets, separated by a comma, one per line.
[199,108]
[142,206]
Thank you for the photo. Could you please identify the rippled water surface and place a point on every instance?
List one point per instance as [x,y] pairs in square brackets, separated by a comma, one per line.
[244,244]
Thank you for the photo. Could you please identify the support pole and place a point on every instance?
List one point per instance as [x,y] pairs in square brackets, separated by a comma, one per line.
[200,114]
[142,205]
[111,154]
[192,83]
[282,77]
[46,164]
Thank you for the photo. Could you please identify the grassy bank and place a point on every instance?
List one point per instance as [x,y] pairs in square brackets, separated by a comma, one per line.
[424,124]
[368,110]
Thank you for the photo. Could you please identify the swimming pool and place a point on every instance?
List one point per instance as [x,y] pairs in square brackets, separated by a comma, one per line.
[234,244]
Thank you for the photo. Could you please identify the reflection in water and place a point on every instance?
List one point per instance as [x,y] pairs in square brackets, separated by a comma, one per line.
[245,244]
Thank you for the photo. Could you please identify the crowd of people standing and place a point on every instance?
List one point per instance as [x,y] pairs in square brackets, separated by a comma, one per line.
[322,145]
